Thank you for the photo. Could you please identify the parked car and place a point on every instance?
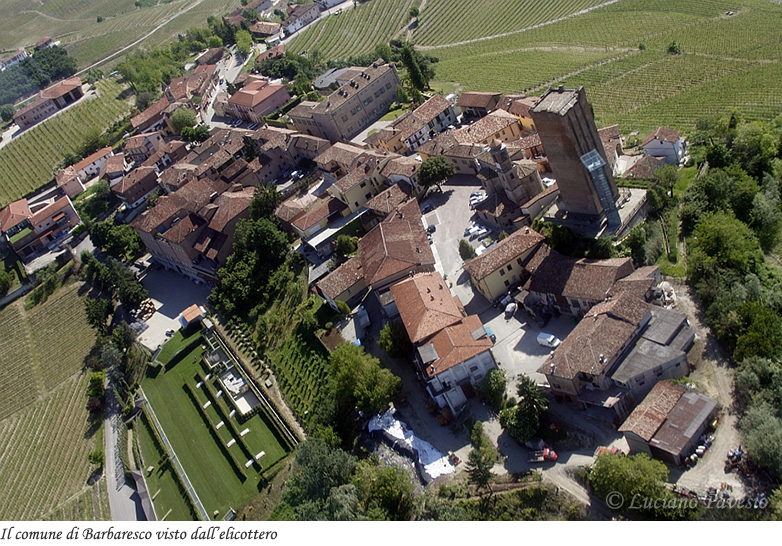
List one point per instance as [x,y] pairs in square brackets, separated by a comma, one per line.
[427,208]
[482,232]
[222,81]
[429,237]
[548,340]
[491,335]
[510,309]
[431,229]
[468,230]
[476,194]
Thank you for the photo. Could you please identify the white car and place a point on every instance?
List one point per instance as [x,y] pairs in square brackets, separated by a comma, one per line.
[548,340]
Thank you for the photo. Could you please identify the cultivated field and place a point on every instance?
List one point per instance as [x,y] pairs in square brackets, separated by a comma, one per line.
[301,368]
[27,161]
[44,433]
[190,416]
[33,357]
[617,51]
[43,454]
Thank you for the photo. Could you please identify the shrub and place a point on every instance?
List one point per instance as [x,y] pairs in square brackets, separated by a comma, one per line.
[466,251]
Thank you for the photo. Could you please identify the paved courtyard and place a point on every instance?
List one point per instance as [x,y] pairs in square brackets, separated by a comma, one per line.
[171,293]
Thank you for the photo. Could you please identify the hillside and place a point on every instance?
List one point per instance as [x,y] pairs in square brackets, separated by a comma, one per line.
[619,50]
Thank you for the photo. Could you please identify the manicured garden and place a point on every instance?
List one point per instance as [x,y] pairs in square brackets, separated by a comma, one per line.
[206,432]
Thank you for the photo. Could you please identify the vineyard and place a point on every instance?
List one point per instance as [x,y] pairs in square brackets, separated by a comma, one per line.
[43,454]
[27,161]
[33,359]
[191,405]
[301,368]
[617,51]
[354,31]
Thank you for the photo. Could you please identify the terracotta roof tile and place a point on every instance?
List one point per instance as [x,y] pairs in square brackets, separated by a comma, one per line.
[150,112]
[387,200]
[15,212]
[579,278]
[455,344]
[394,246]
[647,418]
[323,209]
[425,305]
[485,127]
[477,99]
[342,278]
[664,134]
[503,252]
[92,158]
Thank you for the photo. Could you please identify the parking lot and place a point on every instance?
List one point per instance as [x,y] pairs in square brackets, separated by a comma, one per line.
[516,349]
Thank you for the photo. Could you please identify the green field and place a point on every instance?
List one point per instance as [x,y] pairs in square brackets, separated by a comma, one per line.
[44,433]
[169,498]
[217,472]
[74,23]
[33,358]
[726,62]
[26,162]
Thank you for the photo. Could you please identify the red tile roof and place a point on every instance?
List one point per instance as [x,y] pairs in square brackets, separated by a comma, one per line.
[15,212]
[342,278]
[60,89]
[149,113]
[425,305]
[322,210]
[476,99]
[579,278]
[485,127]
[65,176]
[92,158]
[231,204]
[387,200]
[455,344]
[503,252]
[664,134]
[394,247]
[648,417]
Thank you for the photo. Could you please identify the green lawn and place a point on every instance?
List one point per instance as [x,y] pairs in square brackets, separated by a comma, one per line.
[177,342]
[216,471]
[162,484]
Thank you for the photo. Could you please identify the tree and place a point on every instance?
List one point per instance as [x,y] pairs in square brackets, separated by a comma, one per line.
[394,340]
[96,457]
[762,430]
[214,41]
[244,42]
[503,234]
[479,468]
[417,77]
[492,389]
[668,175]
[386,491]
[435,171]
[674,49]
[98,310]
[92,141]
[401,95]
[357,379]
[183,117]
[265,201]
[346,245]
[198,133]
[466,251]
[627,481]
[7,112]
[320,468]
[530,395]
[521,423]
[413,12]
[5,281]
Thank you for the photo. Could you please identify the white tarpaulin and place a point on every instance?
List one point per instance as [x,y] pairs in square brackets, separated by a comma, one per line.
[433,462]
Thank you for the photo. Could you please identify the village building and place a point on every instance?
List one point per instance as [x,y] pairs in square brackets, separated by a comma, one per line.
[669,423]
[257,98]
[502,266]
[353,107]
[477,104]
[667,144]
[32,226]
[68,180]
[299,16]
[49,101]
[409,131]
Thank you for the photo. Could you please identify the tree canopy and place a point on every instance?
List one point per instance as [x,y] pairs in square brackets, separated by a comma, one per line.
[358,379]
[183,117]
[435,171]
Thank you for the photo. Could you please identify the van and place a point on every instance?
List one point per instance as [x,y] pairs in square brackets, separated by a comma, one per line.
[548,340]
